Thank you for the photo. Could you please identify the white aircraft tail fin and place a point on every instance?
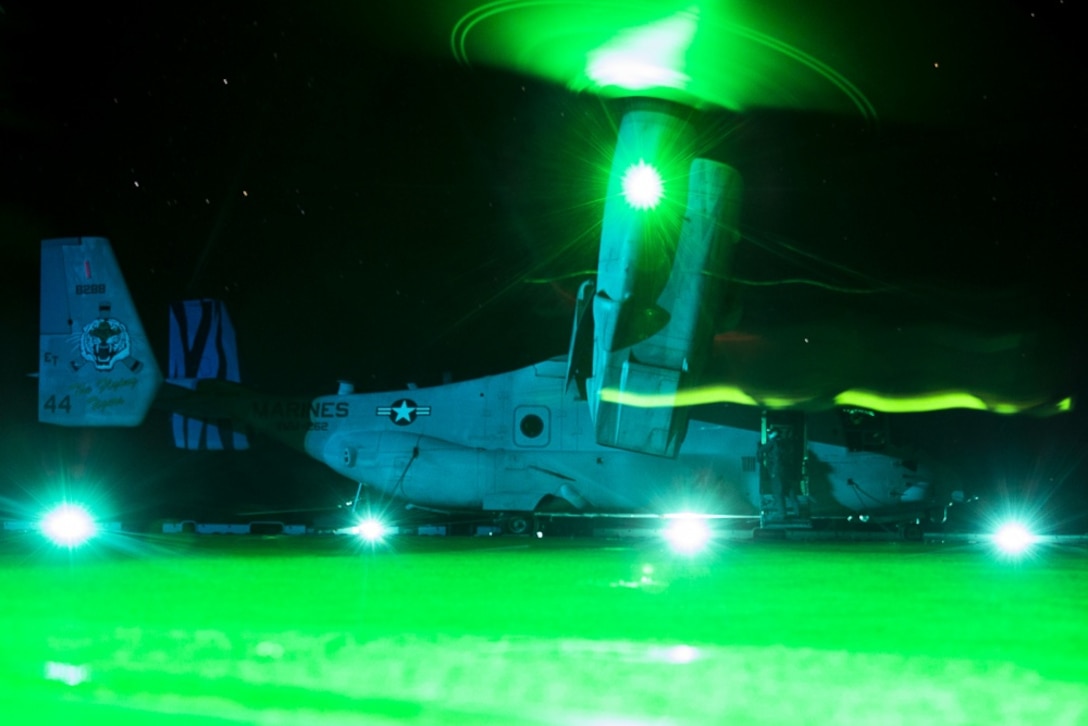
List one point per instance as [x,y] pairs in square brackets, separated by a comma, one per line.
[203,347]
[97,368]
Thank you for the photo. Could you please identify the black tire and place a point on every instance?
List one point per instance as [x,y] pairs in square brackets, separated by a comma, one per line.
[517,524]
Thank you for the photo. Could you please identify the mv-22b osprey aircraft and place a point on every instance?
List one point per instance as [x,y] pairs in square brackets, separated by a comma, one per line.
[605,429]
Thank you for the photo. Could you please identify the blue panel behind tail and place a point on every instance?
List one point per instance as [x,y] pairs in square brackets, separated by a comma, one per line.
[203,346]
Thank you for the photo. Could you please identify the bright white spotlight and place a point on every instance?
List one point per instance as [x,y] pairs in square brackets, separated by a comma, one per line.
[371,529]
[642,185]
[687,533]
[1013,538]
[68,525]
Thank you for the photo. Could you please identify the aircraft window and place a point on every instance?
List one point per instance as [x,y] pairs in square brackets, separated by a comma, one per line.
[864,430]
[532,426]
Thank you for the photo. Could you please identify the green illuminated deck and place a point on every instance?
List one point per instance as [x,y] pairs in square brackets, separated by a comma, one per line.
[308,630]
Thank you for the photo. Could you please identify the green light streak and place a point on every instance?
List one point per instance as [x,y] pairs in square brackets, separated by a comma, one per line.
[916,403]
[912,404]
[465,25]
[813,283]
[690,397]
[557,278]
[843,84]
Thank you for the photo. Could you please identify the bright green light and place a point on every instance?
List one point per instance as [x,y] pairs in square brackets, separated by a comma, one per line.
[68,525]
[648,56]
[642,186]
[371,529]
[687,533]
[1013,538]
[697,54]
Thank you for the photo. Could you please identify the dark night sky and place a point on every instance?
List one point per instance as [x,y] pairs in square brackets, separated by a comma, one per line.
[372,210]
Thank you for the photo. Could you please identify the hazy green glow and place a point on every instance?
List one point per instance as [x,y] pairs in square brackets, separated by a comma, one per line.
[918,403]
[475,630]
[716,53]
[646,57]
[642,186]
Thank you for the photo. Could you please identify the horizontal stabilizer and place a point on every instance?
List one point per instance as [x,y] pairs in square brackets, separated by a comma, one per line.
[97,368]
[203,347]
[207,435]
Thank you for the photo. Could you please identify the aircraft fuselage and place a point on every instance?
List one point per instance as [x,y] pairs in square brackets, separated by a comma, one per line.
[513,441]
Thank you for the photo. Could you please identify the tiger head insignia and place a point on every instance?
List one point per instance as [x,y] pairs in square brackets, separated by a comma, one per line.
[104,342]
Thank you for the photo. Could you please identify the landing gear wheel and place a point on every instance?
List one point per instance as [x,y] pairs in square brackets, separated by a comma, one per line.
[517,524]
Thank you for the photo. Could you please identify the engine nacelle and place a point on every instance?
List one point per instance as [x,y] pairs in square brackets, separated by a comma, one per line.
[659,278]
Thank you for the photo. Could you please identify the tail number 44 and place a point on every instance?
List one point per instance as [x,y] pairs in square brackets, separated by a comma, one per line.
[52,405]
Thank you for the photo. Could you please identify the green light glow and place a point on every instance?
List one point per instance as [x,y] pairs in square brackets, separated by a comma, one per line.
[371,529]
[68,525]
[352,638]
[642,186]
[646,57]
[731,55]
[1013,538]
[917,403]
[687,533]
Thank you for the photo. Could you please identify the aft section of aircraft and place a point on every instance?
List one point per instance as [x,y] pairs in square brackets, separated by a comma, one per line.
[595,431]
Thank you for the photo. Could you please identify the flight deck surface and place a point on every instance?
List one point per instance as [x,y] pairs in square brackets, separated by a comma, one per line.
[203,629]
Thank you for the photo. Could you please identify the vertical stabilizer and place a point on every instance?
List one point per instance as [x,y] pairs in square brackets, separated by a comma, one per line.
[96,366]
[202,347]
